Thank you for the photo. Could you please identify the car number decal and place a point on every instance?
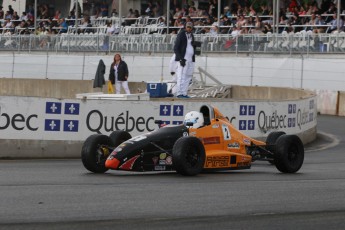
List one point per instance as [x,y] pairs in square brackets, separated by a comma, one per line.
[226,132]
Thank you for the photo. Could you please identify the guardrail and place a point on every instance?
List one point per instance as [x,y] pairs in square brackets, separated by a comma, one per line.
[296,43]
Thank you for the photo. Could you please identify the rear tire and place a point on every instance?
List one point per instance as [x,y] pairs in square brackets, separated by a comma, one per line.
[271,141]
[289,155]
[119,136]
[94,153]
[188,156]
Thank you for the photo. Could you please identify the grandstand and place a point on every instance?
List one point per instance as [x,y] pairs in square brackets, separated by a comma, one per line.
[297,31]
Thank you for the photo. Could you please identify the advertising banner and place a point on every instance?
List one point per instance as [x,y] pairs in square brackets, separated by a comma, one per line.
[32,118]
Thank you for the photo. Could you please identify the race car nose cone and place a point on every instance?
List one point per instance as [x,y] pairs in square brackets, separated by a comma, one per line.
[112,163]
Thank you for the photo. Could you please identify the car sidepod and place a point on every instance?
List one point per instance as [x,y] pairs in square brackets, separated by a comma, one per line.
[147,152]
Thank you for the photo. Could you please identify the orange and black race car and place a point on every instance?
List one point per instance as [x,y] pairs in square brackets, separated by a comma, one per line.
[205,141]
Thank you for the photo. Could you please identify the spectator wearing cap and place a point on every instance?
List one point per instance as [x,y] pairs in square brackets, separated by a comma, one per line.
[227,12]
[185,55]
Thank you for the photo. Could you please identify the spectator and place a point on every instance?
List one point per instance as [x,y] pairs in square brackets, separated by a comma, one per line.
[136,14]
[15,16]
[226,23]
[119,74]
[252,12]
[10,10]
[212,9]
[8,24]
[236,31]
[104,9]
[23,16]
[8,15]
[57,15]
[192,12]
[178,13]
[21,27]
[2,13]
[71,18]
[63,26]
[335,24]
[319,21]
[227,11]
[114,13]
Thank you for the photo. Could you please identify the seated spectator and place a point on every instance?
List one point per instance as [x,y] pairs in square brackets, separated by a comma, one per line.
[252,12]
[23,17]
[161,24]
[226,23]
[57,15]
[192,12]
[71,18]
[114,13]
[8,23]
[257,26]
[227,12]
[15,16]
[236,31]
[267,28]
[63,26]
[8,15]
[21,27]
[319,21]
[335,24]
[241,21]
[178,13]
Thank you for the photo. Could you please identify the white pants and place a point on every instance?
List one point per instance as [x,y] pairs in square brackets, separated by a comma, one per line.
[124,85]
[184,76]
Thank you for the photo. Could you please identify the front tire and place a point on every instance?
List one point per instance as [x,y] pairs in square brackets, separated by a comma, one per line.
[94,153]
[188,156]
[271,142]
[289,155]
[119,136]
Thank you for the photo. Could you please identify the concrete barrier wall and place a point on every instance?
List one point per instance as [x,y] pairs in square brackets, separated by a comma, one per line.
[54,88]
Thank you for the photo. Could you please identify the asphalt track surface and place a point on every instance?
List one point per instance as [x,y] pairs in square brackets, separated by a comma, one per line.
[61,194]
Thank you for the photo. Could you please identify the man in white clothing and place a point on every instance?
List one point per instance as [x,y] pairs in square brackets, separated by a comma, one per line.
[185,54]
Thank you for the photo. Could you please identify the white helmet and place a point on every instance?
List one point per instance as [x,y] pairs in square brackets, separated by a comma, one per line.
[194,117]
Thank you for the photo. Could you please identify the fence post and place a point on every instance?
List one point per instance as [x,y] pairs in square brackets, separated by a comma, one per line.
[252,71]
[302,70]
[83,70]
[47,65]
[13,64]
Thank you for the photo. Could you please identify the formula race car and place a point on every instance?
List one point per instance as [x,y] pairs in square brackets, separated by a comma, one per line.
[205,141]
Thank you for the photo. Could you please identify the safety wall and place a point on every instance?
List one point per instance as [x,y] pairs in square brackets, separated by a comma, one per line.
[313,73]
[48,127]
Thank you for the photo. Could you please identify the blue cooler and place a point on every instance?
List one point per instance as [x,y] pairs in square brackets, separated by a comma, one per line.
[157,89]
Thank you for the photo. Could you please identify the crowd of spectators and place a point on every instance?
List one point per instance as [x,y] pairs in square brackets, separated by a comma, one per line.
[240,17]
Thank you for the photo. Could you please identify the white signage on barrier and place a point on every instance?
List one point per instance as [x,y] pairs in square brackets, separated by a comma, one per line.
[53,119]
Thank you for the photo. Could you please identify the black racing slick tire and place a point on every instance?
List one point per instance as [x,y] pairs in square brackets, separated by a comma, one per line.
[271,142]
[289,155]
[188,156]
[272,139]
[119,136]
[95,151]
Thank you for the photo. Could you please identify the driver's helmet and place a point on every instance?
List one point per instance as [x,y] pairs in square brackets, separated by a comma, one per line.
[194,117]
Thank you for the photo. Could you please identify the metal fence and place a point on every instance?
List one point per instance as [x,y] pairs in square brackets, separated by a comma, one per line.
[296,43]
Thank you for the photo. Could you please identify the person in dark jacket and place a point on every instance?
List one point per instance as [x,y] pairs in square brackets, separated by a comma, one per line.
[119,74]
[185,56]
[99,77]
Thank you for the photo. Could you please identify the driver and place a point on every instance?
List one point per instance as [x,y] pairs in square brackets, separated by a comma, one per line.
[194,117]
